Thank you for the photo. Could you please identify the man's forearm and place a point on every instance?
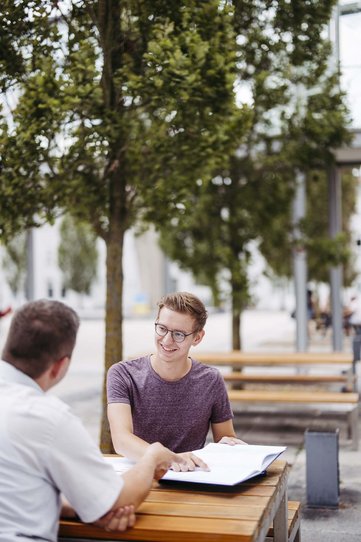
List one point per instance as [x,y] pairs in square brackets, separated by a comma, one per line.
[138,480]
[131,446]
[137,483]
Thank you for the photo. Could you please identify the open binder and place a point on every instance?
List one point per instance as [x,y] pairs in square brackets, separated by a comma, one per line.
[229,465]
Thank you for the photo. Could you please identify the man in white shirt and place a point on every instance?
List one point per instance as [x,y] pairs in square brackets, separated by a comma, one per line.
[45,452]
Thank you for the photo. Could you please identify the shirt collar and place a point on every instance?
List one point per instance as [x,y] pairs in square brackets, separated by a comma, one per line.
[11,374]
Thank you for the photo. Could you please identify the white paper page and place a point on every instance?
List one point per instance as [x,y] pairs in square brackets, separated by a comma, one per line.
[120,464]
[229,465]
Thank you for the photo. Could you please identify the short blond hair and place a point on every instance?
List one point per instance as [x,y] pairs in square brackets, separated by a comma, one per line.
[185,303]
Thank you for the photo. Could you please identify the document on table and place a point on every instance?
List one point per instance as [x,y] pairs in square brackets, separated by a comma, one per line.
[229,465]
[120,464]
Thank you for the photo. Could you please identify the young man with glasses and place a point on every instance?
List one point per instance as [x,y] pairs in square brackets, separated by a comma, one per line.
[168,396]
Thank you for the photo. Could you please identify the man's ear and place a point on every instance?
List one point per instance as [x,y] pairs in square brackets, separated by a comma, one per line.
[198,337]
[58,367]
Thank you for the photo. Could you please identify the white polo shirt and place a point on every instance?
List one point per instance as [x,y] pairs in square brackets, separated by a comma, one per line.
[45,450]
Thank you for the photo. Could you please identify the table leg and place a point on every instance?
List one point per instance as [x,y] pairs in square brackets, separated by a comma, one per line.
[353,416]
[280,522]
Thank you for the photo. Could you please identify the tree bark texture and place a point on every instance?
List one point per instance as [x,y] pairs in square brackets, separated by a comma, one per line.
[114,317]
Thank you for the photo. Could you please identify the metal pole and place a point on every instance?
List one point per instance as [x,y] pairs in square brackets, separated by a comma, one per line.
[336,279]
[300,264]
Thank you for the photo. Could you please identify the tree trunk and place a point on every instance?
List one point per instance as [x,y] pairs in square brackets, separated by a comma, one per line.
[236,330]
[114,317]
[237,286]
[112,41]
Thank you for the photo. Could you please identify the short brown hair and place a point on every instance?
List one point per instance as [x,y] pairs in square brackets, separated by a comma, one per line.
[41,332]
[185,303]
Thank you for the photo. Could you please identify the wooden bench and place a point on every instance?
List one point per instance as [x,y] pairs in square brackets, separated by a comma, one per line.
[238,359]
[294,523]
[300,361]
[309,398]
[237,377]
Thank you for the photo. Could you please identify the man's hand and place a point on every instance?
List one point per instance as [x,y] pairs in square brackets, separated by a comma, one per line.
[231,441]
[117,520]
[164,459]
[187,461]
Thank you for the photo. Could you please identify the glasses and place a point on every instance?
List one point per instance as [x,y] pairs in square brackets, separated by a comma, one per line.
[177,336]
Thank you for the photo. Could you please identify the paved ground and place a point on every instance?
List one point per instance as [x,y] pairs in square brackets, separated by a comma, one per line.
[267,331]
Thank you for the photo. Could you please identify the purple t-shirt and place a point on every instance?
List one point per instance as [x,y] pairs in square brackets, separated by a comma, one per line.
[178,413]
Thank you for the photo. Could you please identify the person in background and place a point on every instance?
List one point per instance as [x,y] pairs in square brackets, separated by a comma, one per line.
[310,305]
[354,310]
[46,455]
[168,396]
[354,321]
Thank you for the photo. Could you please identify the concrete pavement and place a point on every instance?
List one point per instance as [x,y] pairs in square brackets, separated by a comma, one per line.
[261,330]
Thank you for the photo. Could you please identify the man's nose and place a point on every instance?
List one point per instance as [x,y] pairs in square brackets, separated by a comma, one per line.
[168,337]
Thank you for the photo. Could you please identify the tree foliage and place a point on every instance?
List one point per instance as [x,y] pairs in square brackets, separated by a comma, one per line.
[298,117]
[115,110]
[77,255]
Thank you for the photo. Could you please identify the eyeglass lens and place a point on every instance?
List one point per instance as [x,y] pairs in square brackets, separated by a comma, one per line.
[177,336]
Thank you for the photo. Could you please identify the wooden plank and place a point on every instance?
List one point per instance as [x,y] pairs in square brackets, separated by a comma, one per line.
[157,528]
[239,358]
[191,500]
[245,510]
[246,489]
[296,396]
[237,376]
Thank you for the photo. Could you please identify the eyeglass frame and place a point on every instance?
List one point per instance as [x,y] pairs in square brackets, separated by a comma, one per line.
[172,331]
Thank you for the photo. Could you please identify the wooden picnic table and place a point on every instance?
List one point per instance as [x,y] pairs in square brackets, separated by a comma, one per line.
[185,512]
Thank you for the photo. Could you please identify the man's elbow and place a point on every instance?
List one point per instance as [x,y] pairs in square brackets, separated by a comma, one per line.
[119,447]
[120,444]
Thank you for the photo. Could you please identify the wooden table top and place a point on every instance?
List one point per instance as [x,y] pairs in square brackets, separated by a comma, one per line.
[187,513]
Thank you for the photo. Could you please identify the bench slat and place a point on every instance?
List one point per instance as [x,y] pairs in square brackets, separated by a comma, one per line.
[294,396]
[299,378]
[240,358]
